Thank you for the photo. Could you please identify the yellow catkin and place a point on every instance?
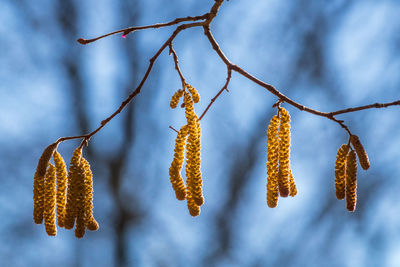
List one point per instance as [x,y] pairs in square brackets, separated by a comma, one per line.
[175,98]
[194,209]
[351,181]
[361,153]
[80,201]
[293,188]
[50,201]
[340,171]
[91,222]
[72,194]
[272,162]
[175,170]
[284,153]
[61,171]
[38,183]
[193,160]
[194,93]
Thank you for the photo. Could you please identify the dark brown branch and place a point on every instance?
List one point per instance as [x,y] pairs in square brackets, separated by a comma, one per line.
[176,62]
[376,105]
[225,87]
[127,31]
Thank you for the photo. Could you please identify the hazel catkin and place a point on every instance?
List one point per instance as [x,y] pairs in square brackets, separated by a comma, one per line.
[193,92]
[38,182]
[175,98]
[284,153]
[193,161]
[351,181]
[73,190]
[340,171]
[272,162]
[90,221]
[61,174]
[361,153]
[175,170]
[50,201]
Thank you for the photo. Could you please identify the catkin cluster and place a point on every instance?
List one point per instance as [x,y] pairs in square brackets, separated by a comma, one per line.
[280,178]
[67,194]
[346,176]
[188,139]
[346,171]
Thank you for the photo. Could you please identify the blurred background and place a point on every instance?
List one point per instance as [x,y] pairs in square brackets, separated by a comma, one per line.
[328,55]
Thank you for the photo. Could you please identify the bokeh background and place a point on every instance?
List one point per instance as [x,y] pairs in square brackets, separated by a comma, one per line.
[328,55]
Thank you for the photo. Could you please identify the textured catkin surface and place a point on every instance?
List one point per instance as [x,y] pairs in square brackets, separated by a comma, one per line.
[351,181]
[72,194]
[272,162]
[340,171]
[193,146]
[177,163]
[38,183]
[284,153]
[361,153]
[194,93]
[61,174]
[90,221]
[175,98]
[50,201]
[293,188]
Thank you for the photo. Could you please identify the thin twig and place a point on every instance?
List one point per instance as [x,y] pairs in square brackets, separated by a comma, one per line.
[376,105]
[225,87]
[176,62]
[127,31]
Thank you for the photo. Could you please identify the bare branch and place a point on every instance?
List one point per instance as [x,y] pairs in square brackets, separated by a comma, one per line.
[176,61]
[225,87]
[127,31]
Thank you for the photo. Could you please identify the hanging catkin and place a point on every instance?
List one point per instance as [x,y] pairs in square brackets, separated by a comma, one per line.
[193,92]
[193,173]
[284,153]
[340,171]
[175,170]
[351,181]
[50,201]
[91,222]
[175,98]
[80,201]
[361,153]
[61,172]
[72,194]
[272,163]
[38,183]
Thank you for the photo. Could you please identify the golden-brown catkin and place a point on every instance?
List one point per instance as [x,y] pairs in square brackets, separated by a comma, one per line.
[72,194]
[361,153]
[80,202]
[175,98]
[194,93]
[284,153]
[351,181]
[50,201]
[340,171]
[61,173]
[193,161]
[38,183]
[91,222]
[272,162]
[194,209]
[175,169]
[293,188]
